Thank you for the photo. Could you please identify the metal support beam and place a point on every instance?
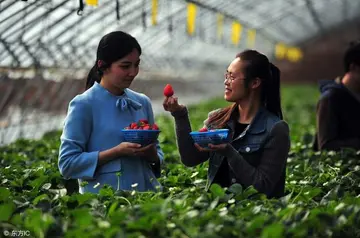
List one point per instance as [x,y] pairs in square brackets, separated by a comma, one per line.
[271,39]
[65,55]
[47,51]
[35,60]
[314,15]
[27,7]
[16,17]
[54,24]
[4,8]
[32,22]
[97,21]
[11,52]
[94,22]
[345,10]
[44,47]
[287,12]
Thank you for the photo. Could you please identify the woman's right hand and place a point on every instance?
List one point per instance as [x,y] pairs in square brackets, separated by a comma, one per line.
[132,149]
[123,149]
[171,104]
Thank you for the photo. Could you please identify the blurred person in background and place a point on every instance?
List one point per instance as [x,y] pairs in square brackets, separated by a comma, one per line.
[92,147]
[338,109]
[260,142]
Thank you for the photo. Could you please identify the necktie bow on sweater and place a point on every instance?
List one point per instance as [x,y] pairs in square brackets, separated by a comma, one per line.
[124,103]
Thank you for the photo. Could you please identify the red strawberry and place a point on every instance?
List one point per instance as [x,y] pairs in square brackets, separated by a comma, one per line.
[147,127]
[155,127]
[204,129]
[144,121]
[168,90]
[133,125]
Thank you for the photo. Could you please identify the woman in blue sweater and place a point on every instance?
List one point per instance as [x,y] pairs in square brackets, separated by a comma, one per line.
[92,145]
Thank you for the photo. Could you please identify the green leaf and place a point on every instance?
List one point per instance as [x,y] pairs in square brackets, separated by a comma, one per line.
[6,210]
[4,194]
[113,208]
[256,223]
[313,192]
[39,198]
[275,230]
[82,217]
[250,191]
[216,190]
[236,189]
[106,191]
[84,198]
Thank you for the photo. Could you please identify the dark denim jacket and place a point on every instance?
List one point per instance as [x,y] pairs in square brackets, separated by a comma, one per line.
[257,157]
[250,145]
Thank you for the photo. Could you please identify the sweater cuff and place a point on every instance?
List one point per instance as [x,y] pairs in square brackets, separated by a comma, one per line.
[91,165]
[181,113]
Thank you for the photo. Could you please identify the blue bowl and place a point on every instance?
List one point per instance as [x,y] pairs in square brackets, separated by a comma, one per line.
[143,137]
[215,137]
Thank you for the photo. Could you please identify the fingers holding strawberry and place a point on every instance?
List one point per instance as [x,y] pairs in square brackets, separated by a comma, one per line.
[171,104]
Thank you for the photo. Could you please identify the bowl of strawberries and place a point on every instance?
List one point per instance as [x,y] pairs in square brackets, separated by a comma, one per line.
[203,137]
[141,132]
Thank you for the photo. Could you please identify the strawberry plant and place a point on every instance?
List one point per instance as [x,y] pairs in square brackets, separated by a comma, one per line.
[322,198]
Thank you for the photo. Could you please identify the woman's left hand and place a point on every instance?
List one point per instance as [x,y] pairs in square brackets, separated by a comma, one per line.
[149,152]
[212,147]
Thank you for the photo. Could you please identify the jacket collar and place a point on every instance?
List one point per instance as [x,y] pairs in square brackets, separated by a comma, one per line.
[257,126]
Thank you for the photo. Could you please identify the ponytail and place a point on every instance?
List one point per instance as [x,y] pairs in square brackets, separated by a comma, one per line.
[93,76]
[272,98]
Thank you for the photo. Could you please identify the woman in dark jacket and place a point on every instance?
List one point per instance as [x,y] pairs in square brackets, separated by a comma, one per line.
[260,143]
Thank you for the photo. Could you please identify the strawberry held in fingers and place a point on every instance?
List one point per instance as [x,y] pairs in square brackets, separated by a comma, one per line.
[168,90]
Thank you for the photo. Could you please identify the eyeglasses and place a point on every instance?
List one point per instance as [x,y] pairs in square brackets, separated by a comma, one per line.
[229,76]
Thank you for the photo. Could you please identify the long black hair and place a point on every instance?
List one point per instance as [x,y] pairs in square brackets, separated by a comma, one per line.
[112,47]
[258,66]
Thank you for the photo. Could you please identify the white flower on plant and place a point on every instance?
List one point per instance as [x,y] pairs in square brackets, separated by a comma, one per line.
[231,201]
[170,225]
[303,182]
[104,224]
[194,174]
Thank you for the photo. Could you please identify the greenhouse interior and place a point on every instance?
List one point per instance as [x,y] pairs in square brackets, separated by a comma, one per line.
[196,56]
